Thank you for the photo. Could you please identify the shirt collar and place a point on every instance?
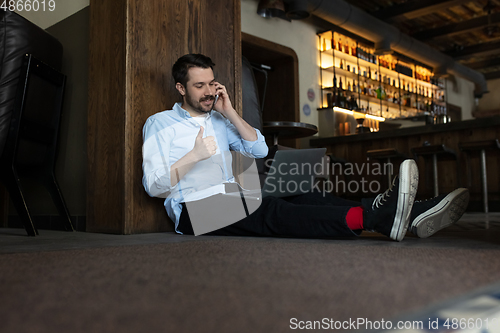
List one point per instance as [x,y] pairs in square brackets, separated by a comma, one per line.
[183,113]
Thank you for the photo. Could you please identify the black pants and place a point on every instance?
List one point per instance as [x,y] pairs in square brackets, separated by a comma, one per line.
[309,215]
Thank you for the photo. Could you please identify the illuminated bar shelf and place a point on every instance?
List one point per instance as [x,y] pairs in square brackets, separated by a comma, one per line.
[387,86]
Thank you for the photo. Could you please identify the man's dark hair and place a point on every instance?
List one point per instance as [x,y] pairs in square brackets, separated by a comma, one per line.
[184,63]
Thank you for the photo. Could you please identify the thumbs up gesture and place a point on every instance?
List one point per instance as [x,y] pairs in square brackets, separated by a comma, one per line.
[204,147]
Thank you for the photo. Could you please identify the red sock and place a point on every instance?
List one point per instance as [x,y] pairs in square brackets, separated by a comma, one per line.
[354,218]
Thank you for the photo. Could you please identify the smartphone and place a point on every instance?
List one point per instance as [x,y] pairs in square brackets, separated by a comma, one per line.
[215,101]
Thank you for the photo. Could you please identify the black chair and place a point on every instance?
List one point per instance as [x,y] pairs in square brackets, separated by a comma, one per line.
[252,111]
[31,94]
[252,114]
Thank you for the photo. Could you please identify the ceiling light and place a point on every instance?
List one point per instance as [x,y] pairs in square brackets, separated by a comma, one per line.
[271,8]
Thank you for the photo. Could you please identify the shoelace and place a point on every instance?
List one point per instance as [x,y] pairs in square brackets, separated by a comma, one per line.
[382,197]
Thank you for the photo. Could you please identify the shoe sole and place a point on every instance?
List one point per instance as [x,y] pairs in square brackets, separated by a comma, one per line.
[448,211]
[408,184]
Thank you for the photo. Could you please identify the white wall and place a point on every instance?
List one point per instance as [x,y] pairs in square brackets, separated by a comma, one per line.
[460,92]
[47,18]
[297,35]
[491,100]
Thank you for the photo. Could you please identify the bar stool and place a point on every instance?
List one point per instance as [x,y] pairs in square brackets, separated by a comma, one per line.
[433,151]
[481,146]
[386,155]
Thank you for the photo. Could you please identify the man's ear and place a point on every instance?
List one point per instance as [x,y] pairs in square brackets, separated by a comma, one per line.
[180,88]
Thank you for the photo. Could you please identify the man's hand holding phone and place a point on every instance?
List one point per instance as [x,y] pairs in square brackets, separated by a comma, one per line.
[222,102]
[224,107]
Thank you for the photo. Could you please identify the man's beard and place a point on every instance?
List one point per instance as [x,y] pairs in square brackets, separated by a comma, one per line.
[196,105]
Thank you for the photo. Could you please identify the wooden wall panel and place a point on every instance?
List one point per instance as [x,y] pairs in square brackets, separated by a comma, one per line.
[149,37]
[106,124]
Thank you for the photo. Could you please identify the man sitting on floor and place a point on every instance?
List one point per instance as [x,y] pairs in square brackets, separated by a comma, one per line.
[180,146]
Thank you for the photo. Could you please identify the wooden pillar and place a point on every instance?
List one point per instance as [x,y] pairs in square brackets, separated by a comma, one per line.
[133,45]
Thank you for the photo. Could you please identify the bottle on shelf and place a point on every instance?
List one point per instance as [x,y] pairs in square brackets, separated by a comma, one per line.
[398,90]
[380,92]
[404,97]
[329,100]
[346,46]
[353,104]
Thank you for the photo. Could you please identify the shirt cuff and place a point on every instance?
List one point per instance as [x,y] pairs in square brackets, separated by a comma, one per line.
[163,181]
[248,145]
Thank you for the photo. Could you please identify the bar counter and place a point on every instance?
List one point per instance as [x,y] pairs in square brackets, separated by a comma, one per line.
[353,148]
[473,124]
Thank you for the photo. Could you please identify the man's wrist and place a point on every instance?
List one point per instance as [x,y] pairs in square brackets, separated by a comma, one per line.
[231,114]
[192,157]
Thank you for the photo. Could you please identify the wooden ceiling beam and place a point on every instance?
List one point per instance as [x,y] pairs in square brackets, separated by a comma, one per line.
[483,49]
[416,8]
[457,28]
[484,63]
[492,75]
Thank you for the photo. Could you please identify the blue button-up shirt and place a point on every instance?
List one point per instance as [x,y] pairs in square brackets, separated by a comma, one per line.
[169,135]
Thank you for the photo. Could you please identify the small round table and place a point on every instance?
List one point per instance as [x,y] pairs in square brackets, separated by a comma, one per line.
[288,130]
